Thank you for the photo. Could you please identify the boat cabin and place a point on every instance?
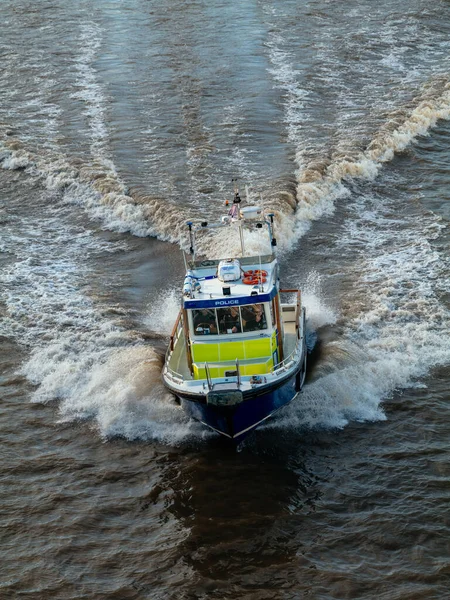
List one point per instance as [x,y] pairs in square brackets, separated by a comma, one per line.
[222,336]
[228,320]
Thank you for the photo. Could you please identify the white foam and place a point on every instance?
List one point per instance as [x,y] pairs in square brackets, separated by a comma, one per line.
[163,312]
[91,93]
[318,308]
[104,196]
[351,393]
[40,289]
[16,161]
[400,335]
[79,351]
[100,192]
[318,198]
[320,186]
[217,243]
[117,389]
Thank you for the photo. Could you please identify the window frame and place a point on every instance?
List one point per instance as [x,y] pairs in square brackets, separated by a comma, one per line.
[268,328]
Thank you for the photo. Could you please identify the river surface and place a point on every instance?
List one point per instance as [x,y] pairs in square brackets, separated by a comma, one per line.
[119,120]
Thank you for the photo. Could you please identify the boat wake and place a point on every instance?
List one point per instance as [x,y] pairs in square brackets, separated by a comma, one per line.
[100,371]
[393,327]
[321,182]
[118,390]
[108,376]
[98,189]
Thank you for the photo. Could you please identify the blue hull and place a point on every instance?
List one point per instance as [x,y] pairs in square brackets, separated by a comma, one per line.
[236,422]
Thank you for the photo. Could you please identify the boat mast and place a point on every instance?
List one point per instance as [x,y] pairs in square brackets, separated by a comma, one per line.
[235,209]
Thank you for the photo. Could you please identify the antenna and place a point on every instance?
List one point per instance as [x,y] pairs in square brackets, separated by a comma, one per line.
[273,240]
[241,235]
[261,289]
[191,239]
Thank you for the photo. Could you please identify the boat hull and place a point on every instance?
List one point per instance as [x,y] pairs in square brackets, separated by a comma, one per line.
[238,421]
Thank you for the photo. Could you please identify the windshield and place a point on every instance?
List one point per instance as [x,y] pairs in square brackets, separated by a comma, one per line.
[229,320]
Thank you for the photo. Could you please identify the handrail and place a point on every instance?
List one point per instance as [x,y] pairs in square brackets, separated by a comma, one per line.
[174,335]
[283,363]
[174,374]
[208,376]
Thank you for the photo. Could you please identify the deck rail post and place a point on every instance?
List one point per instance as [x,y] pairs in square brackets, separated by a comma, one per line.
[208,377]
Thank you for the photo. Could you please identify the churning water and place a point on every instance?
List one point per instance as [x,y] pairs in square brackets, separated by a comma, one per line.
[120,120]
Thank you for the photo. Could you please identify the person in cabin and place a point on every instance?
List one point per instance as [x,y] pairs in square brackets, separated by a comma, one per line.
[229,320]
[254,317]
[205,321]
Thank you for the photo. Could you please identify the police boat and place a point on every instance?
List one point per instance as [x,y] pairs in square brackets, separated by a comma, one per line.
[237,352]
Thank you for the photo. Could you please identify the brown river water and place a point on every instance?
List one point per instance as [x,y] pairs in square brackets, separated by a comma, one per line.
[118,121]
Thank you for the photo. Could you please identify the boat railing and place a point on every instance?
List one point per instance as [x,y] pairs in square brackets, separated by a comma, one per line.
[208,377]
[177,377]
[175,331]
[288,362]
[236,374]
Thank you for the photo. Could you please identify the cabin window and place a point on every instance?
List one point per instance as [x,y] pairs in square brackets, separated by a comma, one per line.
[253,317]
[229,320]
[205,322]
[232,319]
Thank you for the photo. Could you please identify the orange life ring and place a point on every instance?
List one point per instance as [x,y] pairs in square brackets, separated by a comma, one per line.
[248,273]
[258,272]
[252,280]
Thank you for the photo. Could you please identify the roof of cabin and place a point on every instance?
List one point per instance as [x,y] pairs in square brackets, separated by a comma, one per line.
[211,289]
